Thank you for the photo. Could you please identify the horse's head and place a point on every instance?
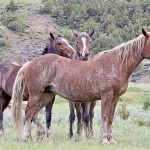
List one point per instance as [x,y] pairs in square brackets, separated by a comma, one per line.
[83,44]
[59,45]
[146,50]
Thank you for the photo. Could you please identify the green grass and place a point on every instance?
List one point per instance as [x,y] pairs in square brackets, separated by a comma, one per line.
[129,134]
[137,93]
[129,137]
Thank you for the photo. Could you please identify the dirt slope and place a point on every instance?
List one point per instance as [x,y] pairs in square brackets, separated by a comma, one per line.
[30,44]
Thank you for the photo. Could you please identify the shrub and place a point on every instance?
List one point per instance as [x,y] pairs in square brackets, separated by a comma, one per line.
[67,33]
[123,111]
[11,6]
[2,42]
[13,22]
[146,104]
[16,26]
[142,122]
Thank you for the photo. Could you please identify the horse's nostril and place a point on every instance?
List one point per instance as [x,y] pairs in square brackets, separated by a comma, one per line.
[86,55]
[84,58]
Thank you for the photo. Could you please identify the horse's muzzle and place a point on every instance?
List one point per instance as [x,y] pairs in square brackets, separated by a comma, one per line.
[83,58]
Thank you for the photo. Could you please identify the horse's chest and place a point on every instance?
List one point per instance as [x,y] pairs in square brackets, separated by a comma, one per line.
[121,89]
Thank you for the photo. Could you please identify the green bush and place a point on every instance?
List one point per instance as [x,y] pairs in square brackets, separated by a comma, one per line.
[146,105]
[16,26]
[13,22]
[123,111]
[114,23]
[67,33]
[11,6]
[142,122]
[2,42]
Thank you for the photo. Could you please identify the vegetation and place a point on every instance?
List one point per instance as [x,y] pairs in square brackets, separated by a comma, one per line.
[13,22]
[2,42]
[123,111]
[10,18]
[146,104]
[11,6]
[114,21]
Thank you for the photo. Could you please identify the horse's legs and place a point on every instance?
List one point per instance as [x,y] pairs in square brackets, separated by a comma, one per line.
[92,106]
[106,99]
[1,114]
[43,101]
[49,117]
[71,118]
[110,120]
[79,118]
[31,109]
[86,118]
[40,129]
[4,101]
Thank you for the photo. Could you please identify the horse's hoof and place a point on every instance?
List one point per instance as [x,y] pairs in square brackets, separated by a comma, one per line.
[25,138]
[70,135]
[40,135]
[48,133]
[2,134]
[105,141]
[112,141]
[78,137]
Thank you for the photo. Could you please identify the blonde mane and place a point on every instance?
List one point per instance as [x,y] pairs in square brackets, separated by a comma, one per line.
[133,46]
[124,50]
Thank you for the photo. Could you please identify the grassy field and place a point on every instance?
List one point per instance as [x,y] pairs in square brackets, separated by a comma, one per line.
[131,134]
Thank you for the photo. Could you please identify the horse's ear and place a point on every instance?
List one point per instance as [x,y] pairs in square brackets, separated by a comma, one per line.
[75,34]
[52,36]
[91,33]
[145,33]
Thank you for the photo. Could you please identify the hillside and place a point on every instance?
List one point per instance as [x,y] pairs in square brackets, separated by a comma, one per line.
[22,46]
[25,25]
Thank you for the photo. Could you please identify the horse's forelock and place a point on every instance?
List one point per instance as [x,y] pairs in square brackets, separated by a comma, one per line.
[83,34]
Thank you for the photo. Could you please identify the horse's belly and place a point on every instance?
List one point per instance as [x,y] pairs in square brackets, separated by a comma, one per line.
[76,93]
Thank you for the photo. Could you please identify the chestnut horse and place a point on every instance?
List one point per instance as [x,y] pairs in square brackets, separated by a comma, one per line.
[83,110]
[98,78]
[57,45]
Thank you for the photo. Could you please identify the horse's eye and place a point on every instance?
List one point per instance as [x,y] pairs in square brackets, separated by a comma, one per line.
[59,43]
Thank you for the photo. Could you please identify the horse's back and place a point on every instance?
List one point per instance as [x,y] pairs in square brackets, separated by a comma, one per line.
[8,72]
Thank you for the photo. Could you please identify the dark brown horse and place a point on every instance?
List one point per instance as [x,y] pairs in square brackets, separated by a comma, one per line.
[98,78]
[8,71]
[83,110]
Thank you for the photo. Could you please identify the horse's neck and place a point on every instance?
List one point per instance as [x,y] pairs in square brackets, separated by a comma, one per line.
[130,62]
[51,49]
[125,57]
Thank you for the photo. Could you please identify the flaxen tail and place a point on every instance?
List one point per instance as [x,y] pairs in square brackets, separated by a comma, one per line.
[17,98]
